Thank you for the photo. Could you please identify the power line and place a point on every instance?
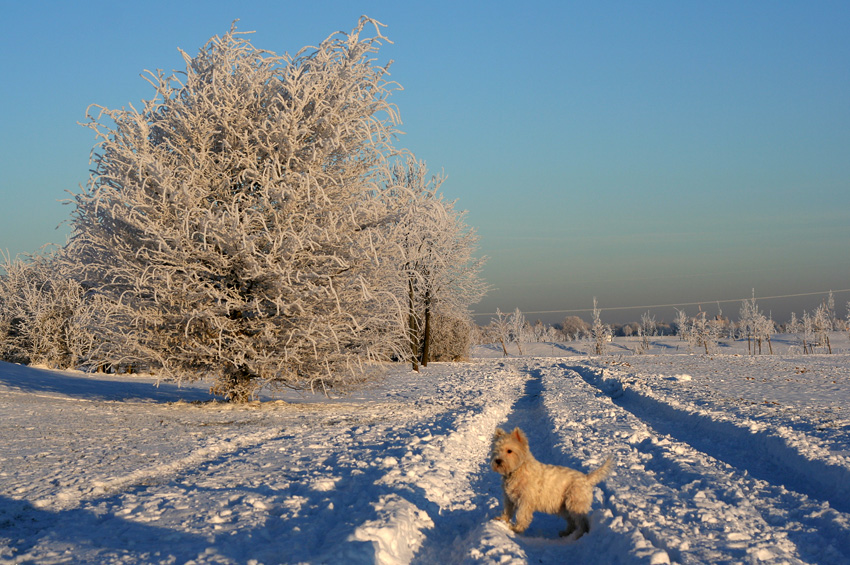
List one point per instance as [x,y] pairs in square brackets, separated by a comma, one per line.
[582,310]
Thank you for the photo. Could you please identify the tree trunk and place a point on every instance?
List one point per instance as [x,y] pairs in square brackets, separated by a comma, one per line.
[235,386]
[411,327]
[426,342]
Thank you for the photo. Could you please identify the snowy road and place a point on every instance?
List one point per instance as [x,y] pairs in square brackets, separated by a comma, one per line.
[716,462]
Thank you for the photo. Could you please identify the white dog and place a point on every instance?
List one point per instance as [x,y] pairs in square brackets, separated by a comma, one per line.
[531,486]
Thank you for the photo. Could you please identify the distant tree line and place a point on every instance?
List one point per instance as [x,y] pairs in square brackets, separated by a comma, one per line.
[702,331]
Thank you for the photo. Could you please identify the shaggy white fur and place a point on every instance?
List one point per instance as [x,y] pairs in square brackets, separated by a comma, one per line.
[531,486]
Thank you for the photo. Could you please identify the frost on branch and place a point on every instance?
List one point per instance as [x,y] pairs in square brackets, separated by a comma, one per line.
[233,221]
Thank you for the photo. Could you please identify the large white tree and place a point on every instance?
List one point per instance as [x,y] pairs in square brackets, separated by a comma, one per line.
[235,223]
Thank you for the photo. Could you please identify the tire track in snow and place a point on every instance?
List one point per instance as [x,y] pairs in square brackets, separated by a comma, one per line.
[221,446]
[493,542]
[733,442]
[819,533]
[628,522]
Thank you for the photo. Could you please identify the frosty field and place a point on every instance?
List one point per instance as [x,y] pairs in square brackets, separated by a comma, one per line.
[719,459]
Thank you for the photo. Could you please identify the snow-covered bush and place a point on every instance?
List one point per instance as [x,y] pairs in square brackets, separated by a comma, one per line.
[236,221]
[574,328]
[539,331]
[451,338]
[43,314]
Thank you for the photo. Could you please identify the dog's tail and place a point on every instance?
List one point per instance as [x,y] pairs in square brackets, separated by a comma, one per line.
[599,474]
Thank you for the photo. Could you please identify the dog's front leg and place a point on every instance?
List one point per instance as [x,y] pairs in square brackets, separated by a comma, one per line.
[524,514]
[508,511]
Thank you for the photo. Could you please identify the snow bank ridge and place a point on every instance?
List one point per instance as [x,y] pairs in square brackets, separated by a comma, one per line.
[71,497]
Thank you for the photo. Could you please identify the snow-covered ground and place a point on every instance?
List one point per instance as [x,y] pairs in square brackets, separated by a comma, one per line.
[724,458]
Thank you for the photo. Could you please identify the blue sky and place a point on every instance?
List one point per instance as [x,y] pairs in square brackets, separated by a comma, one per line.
[641,152]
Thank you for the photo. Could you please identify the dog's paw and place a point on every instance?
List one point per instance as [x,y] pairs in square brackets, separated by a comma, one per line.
[572,535]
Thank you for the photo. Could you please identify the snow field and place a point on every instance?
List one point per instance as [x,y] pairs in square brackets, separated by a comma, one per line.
[325,481]
[718,459]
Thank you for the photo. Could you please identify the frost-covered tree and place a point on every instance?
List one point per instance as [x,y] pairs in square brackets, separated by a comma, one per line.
[705,331]
[757,327]
[502,329]
[747,323]
[847,319]
[601,332]
[45,317]
[234,220]
[682,325]
[806,334]
[764,328]
[701,329]
[793,325]
[648,328]
[822,324]
[830,311]
[517,328]
[439,271]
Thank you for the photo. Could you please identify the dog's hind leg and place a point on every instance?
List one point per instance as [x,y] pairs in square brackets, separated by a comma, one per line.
[571,526]
[581,522]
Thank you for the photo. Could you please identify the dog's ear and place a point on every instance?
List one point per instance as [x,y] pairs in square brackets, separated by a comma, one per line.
[519,436]
[499,433]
